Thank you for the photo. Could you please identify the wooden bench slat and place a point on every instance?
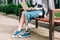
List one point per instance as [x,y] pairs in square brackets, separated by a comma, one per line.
[56,20]
[56,10]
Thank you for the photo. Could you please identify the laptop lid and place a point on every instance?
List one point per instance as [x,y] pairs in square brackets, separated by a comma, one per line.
[24,5]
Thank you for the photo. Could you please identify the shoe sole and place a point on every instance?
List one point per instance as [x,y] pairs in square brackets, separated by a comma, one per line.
[16,35]
[24,36]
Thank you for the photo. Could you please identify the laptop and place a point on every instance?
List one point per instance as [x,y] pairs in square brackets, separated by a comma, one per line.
[24,5]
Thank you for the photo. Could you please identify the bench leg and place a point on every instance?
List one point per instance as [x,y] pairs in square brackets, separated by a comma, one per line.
[36,23]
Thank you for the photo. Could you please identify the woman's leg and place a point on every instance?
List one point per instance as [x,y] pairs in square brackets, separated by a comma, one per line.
[26,33]
[26,24]
[21,23]
[23,20]
[18,31]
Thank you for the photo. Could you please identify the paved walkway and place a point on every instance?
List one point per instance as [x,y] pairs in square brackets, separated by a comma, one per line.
[8,26]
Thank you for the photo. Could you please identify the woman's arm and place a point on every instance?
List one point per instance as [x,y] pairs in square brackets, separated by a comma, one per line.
[32,8]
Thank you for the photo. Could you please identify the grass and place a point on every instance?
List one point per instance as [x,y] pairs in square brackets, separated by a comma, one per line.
[57,14]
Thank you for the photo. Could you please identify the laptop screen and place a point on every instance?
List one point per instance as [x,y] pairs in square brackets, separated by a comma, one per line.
[24,5]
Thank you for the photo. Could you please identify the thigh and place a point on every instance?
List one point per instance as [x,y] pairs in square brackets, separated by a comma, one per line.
[34,14]
[31,14]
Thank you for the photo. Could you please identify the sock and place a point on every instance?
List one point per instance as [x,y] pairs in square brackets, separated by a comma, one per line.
[19,29]
[26,28]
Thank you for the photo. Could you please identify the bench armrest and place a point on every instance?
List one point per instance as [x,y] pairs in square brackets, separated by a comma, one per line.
[55,10]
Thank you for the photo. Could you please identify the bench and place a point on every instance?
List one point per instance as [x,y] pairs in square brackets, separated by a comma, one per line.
[56,20]
[52,21]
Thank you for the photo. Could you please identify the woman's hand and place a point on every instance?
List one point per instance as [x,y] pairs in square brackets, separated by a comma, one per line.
[31,8]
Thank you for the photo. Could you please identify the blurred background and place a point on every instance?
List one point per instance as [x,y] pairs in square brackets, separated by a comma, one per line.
[7,5]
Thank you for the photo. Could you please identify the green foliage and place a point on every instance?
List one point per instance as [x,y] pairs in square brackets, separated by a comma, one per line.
[1,8]
[10,1]
[4,8]
[29,5]
[19,6]
[11,9]
[30,2]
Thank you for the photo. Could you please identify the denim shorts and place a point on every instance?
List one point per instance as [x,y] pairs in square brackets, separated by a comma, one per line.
[32,14]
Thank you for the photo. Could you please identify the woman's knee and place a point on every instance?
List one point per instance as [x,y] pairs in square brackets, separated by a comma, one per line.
[23,12]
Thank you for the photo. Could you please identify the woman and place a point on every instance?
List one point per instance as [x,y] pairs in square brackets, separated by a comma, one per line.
[26,17]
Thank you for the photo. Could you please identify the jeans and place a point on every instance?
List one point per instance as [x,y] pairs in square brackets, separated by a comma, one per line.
[32,14]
